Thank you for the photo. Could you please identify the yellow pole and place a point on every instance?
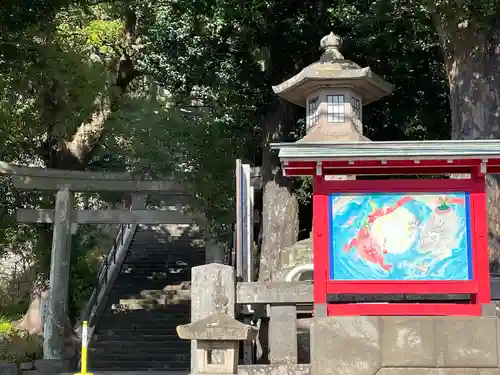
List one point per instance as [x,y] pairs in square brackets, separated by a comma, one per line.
[83,355]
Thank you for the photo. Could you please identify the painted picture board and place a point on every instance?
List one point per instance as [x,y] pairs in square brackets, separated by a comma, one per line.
[399,236]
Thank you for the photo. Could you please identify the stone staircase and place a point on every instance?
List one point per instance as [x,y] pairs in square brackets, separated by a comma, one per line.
[150,297]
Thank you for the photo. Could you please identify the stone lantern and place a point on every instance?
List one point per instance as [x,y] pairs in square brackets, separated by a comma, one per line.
[333,90]
[217,337]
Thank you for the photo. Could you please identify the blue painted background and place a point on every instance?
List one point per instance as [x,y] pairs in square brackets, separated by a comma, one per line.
[414,263]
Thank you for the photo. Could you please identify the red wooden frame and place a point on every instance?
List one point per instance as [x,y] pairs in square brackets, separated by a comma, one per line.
[390,167]
[478,287]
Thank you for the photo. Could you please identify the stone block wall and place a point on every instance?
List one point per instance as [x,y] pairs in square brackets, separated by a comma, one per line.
[405,346]
[37,367]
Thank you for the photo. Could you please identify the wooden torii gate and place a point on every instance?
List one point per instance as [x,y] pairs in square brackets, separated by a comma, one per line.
[63,216]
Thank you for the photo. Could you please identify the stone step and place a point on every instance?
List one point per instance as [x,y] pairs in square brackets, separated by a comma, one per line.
[136,294]
[155,316]
[148,305]
[133,348]
[148,234]
[144,354]
[137,365]
[175,283]
[172,235]
[144,327]
[159,296]
[149,239]
[152,302]
[159,257]
[152,244]
[171,269]
[126,293]
[146,275]
[167,328]
[166,258]
[149,335]
[110,322]
[163,265]
[181,230]
[167,308]
[135,288]
[175,278]
[165,253]
[154,258]
[156,250]
[174,346]
[140,257]
[169,278]
[149,299]
[154,281]
[160,265]
[145,331]
[154,247]
[146,239]
[165,245]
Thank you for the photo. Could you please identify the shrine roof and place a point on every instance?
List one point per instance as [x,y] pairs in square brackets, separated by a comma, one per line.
[405,150]
[389,158]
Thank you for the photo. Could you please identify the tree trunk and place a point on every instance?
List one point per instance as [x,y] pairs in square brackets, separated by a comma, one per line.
[472,61]
[280,212]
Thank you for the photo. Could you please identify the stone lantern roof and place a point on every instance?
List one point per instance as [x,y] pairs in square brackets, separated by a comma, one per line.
[333,90]
[217,327]
[333,70]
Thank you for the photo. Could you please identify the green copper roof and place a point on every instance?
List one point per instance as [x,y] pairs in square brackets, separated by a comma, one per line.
[481,149]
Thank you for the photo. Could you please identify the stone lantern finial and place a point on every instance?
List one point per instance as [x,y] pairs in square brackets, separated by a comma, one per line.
[331,43]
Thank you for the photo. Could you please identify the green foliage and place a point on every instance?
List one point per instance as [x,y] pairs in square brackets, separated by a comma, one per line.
[56,74]
[17,346]
[88,245]
[12,310]
[226,59]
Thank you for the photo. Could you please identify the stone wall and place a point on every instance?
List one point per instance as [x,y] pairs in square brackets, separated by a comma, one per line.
[36,367]
[405,346]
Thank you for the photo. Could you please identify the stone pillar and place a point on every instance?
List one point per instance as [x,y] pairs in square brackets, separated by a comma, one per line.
[212,290]
[283,335]
[53,338]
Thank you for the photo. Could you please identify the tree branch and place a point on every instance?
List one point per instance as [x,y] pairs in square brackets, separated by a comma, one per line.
[89,134]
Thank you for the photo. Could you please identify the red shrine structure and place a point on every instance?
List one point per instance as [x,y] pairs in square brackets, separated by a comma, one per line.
[407,246]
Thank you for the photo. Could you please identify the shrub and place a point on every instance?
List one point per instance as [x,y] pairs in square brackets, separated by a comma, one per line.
[18,346]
